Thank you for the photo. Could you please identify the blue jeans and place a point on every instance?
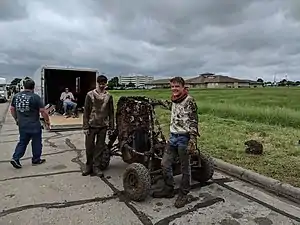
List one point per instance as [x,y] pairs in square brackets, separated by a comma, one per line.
[71,105]
[177,147]
[179,141]
[36,143]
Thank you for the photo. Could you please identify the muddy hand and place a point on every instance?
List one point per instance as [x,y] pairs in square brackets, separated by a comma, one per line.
[47,125]
[110,132]
[164,103]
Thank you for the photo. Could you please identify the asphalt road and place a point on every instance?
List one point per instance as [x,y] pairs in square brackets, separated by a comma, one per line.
[55,193]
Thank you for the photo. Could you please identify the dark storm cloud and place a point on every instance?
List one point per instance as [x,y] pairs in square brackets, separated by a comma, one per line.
[12,10]
[247,39]
[169,22]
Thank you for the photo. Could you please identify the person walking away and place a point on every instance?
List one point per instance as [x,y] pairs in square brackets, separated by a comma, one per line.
[67,97]
[182,143]
[26,108]
[98,118]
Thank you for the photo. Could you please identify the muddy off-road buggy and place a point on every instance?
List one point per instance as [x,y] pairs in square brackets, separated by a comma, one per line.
[141,143]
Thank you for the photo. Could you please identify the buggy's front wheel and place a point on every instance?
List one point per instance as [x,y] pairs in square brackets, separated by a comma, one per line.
[137,182]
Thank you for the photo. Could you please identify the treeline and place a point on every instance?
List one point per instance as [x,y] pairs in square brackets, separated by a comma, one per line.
[283,82]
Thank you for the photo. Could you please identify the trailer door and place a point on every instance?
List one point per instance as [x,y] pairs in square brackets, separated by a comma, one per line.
[43,85]
[77,84]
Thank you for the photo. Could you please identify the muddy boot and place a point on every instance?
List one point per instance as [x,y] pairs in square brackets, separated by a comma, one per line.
[181,201]
[166,192]
[87,171]
[97,172]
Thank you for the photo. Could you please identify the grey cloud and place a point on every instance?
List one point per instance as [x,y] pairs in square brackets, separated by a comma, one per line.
[247,39]
[12,10]
[170,22]
[293,9]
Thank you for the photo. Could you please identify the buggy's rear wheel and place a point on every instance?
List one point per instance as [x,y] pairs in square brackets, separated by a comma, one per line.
[137,182]
[105,158]
[206,171]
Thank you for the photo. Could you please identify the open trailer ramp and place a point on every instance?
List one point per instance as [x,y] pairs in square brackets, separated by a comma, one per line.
[59,122]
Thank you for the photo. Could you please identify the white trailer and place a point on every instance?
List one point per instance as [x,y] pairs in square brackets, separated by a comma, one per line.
[51,81]
[20,86]
[3,90]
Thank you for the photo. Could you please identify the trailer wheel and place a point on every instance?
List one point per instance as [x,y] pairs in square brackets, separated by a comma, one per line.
[105,158]
[206,171]
[137,182]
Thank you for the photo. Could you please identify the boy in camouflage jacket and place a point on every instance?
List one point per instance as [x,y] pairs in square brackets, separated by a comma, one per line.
[98,118]
[182,143]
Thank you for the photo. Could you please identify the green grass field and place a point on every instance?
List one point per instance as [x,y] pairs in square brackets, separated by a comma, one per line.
[229,117]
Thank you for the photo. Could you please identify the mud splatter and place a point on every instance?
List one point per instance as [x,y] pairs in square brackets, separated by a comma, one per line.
[159,204]
[236,215]
[263,221]
[59,167]
[229,222]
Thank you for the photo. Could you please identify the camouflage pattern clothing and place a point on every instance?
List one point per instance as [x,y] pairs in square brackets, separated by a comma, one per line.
[184,120]
[182,143]
[184,117]
[97,119]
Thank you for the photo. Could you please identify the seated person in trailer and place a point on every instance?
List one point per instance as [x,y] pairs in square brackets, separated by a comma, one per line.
[67,98]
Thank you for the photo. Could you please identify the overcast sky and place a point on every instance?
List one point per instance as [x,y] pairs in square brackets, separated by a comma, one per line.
[241,38]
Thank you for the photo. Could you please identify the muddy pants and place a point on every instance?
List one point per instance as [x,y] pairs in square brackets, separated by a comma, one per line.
[94,144]
[177,148]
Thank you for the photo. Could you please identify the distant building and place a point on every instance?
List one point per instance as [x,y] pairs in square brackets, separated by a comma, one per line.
[161,83]
[136,79]
[208,80]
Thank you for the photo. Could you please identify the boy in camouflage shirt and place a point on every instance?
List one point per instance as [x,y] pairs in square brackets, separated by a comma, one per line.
[98,118]
[182,143]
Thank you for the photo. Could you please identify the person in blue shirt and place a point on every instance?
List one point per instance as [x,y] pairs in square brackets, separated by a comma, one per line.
[26,108]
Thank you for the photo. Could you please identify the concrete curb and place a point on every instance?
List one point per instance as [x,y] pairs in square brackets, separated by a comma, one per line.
[274,186]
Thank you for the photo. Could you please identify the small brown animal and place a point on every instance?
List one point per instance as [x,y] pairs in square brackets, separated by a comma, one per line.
[253,147]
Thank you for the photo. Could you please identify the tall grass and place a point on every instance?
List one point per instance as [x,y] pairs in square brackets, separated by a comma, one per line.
[268,115]
[274,106]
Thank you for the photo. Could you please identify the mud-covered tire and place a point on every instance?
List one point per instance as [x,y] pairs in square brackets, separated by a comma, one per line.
[137,182]
[104,158]
[206,171]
